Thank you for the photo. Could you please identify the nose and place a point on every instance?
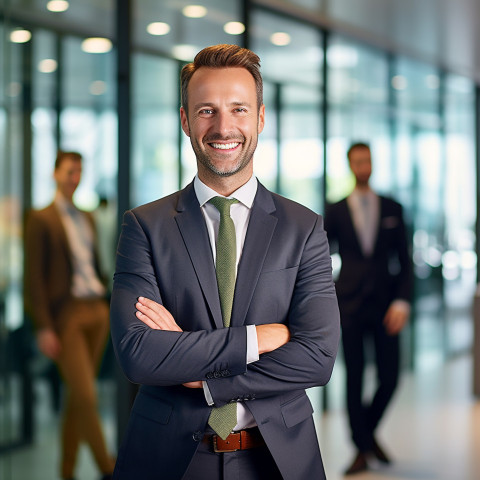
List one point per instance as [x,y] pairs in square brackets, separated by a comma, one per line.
[223,123]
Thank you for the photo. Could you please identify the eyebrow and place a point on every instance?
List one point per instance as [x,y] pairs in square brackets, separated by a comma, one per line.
[213,105]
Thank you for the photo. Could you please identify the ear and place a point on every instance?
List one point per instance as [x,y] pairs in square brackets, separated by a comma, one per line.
[184,121]
[261,118]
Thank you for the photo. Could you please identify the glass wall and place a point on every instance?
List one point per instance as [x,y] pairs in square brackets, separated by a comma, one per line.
[358,106]
[292,61]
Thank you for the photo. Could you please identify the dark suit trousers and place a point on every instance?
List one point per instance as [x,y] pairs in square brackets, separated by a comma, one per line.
[365,414]
[252,464]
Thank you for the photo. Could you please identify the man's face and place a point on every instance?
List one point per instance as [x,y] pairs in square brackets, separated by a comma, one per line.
[67,176]
[361,165]
[223,120]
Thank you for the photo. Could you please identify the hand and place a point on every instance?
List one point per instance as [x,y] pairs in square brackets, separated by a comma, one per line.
[395,318]
[49,343]
[156,316]
[271,336]
[197,384]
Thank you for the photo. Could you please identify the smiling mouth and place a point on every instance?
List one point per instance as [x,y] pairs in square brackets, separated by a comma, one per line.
[225,146]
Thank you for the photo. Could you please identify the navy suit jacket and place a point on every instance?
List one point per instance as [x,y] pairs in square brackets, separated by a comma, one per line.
[284,276]
[370,284]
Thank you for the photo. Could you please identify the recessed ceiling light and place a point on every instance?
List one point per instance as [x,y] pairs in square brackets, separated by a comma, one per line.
[20,36]
[194,11]
[185,53]
[96,45]
[280,39]
[48,65]
[57,5]
[234,28]
[158,28]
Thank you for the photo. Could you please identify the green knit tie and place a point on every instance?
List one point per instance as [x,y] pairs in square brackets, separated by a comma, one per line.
[223,419]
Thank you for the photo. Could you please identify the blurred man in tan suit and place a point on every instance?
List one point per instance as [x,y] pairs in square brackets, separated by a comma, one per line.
[65,297]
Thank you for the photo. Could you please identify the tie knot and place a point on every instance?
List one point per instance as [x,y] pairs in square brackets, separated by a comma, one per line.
[223,204]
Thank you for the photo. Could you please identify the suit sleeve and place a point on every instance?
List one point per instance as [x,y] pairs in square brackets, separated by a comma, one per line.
[35,272]
[405,280]
[156,357]
[307,359]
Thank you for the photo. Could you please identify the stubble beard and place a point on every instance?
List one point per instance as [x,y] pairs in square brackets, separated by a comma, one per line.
[241,162]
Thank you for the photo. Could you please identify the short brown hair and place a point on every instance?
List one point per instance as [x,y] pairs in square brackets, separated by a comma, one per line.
[356,145]
[223,56]
[62,155]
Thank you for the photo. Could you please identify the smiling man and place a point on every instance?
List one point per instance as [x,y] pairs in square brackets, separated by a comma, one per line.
[223,305]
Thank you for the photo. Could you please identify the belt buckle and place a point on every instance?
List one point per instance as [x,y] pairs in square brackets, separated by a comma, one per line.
[221,450]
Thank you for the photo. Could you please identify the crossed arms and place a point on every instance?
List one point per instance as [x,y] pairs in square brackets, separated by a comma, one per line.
[154,349]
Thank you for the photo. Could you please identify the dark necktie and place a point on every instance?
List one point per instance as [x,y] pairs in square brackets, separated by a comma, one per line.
[223,419]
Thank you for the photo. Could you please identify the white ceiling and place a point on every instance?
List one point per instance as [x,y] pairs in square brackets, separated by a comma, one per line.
[443,32]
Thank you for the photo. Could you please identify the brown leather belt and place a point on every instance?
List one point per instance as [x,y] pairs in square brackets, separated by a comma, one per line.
[241,440]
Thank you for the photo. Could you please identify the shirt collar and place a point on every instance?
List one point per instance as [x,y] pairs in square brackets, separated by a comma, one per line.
[245,194]
[62,203]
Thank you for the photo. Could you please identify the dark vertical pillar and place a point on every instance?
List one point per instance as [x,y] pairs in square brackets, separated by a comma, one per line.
[245,18]
[125,390]
[58,93]
[27,109]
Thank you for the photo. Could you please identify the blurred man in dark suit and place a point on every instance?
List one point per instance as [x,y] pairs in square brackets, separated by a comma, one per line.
[373,289]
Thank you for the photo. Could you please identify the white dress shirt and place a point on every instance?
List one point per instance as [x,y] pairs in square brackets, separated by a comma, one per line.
[240,213]
[80,236]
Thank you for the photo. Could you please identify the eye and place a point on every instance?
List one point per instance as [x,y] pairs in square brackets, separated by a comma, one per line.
[206,111]
[241,110]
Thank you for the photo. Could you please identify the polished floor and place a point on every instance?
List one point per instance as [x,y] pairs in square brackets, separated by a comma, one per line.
[432,430]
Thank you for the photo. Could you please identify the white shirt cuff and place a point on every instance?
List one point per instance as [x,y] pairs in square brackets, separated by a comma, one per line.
[252,344]
[252,356]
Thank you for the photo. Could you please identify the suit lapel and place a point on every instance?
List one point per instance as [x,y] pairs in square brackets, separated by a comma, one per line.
[257,242]
[191,224]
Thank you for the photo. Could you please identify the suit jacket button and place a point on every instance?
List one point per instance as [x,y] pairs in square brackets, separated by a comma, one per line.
[217,374]
[197,436]
[209,375]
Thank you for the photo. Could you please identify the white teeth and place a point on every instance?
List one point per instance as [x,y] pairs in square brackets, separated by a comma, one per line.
[224,146]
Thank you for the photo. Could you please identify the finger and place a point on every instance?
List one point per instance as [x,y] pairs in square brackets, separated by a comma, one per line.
[151,304]
[147,321]
[153,309]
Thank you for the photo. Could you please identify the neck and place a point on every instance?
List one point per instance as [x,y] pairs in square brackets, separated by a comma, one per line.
[363,187]
[225,185]
[68,199]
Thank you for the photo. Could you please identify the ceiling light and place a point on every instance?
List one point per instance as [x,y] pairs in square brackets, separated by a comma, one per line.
[96,45]
[234,28]
[158,28]
[98,87]
[57,5]
[185,53]
[48,65]
[194,11]
[280,39]
[20,36]
[399,82]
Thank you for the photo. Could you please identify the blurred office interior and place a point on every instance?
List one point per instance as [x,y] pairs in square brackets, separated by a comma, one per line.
[101,77]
